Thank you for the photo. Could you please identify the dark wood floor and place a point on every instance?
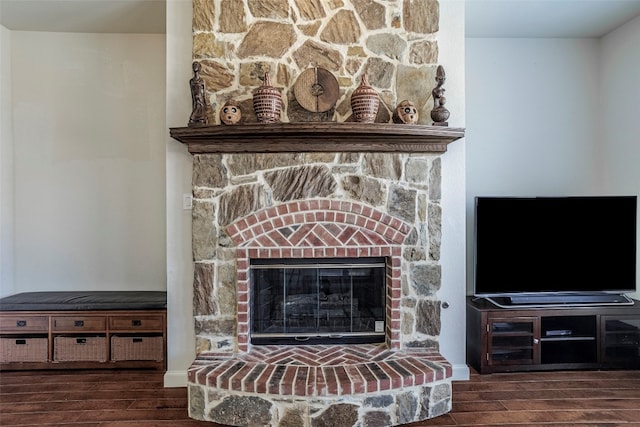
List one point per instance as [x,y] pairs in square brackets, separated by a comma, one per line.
[137,398]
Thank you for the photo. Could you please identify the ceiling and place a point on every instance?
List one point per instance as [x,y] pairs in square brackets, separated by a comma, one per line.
[84,16]
[484,18]
[547,18]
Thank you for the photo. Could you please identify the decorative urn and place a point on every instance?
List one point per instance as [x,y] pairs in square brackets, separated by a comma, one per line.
[365,102]
[267,102]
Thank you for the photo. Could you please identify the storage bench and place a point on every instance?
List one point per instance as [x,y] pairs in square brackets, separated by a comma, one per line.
[83,330]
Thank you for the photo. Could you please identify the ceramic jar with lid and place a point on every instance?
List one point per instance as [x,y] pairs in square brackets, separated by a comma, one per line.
[365,102]
[267,102]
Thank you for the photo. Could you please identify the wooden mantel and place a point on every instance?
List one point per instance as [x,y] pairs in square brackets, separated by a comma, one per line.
[317,137]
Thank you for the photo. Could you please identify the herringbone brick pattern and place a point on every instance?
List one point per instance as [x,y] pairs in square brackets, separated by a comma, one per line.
[319,370]
[333,223]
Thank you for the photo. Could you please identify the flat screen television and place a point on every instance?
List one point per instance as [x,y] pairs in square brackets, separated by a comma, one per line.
[555,250]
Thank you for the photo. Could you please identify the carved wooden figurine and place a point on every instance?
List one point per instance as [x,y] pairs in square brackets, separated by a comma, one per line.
[198,98]
[439,114]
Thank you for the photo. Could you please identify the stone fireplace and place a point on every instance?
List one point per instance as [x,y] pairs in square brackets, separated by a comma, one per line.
[381,204]
[317,187]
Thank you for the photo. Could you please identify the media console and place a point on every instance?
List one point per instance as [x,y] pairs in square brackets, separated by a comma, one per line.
[552,338]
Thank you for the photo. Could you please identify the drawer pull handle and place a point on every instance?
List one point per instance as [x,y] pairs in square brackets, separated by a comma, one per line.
[21,323]
[136,323]
[81,340]
[21,342]
[137,340]
[78,323]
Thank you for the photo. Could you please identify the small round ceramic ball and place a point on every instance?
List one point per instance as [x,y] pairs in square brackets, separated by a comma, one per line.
[230,114]
[406,112]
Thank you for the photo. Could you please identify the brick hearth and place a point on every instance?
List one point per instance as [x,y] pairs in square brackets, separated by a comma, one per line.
[364,383]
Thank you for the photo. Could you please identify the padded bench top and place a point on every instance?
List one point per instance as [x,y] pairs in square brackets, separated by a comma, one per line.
[92,300]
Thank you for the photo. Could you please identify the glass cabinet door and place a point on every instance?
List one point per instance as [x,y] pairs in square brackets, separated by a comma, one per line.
[621,340]
[513,341]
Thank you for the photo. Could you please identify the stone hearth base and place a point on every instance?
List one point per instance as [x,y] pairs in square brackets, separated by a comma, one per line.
[323,385]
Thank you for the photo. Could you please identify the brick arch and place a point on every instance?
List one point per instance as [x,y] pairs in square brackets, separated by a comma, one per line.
[319,228]
[318,222]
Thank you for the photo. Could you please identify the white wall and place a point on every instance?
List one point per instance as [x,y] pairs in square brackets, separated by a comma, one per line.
[89,161]
[532,109]
[618,108]
[453,292]
[181,333]
[7,285]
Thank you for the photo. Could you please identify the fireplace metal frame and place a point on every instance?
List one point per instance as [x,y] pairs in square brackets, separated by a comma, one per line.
[271,302]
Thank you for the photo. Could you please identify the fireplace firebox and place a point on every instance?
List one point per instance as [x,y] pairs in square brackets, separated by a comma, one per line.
[318,301]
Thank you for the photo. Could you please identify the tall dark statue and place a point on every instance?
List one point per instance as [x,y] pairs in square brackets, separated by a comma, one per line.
[198,98]
[439,114]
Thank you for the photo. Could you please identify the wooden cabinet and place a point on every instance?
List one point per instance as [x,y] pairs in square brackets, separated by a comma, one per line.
[83,339]
[526,339]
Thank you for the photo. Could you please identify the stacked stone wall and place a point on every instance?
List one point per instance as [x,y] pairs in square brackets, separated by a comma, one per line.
[234,186]
[393,42]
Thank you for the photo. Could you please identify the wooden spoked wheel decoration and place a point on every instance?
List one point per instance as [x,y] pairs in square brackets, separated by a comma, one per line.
[316,90]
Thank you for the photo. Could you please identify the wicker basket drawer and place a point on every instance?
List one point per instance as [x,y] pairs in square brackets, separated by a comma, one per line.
[79,323]
[24,323]
[74,349]
[136,323]
[18,349]
[136,348]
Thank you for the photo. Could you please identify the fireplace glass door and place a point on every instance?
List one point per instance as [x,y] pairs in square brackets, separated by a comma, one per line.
[307,301]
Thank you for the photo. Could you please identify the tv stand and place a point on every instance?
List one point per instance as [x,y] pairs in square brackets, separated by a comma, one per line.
[529,338]
[560,300]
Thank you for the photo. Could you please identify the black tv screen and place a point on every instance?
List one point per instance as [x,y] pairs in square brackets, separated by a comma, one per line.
[555,244]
